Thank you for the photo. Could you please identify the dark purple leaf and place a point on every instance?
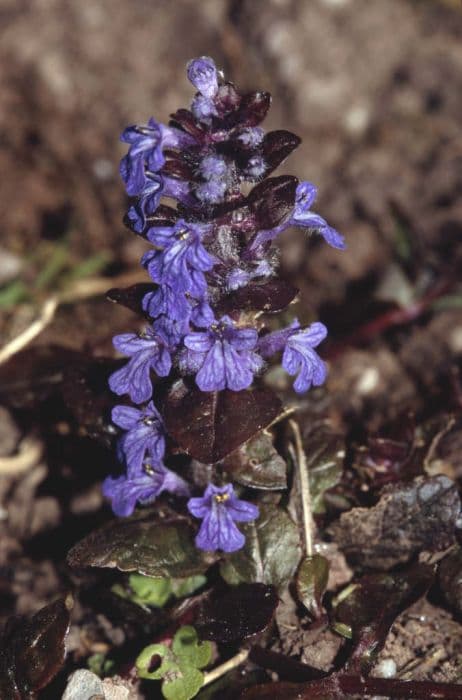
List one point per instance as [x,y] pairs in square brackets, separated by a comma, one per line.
[176,167]
[184,119]
[372,606]
[145,543]
[34,374]
[240,612]
[253,109]
[399,454]
[409,518]
[131,297]
[277,145]
[271,297]
[227,101]
[257,464]
[271,552]
[210,425]
[33,651]
[311,583]
[87,396]
[272,200]
[450,578]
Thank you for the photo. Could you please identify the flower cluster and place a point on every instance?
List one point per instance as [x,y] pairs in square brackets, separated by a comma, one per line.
[211,241]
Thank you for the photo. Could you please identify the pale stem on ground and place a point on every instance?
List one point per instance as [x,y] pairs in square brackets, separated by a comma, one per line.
[45,317]
[220,671]
[29,452]
[304,489]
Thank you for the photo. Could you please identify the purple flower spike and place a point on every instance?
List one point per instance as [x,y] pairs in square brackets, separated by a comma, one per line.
[300,357]
[302,216]
[149,350]
[202,73]
[144,487]
[219,509]
[144,436]
[225,356]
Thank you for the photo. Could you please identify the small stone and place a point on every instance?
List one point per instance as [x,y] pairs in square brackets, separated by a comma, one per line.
[83,685]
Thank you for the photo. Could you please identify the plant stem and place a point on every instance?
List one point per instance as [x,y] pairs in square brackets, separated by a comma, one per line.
[304,489]
[226,667]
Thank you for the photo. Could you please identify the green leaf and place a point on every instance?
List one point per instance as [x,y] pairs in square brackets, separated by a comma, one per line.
[100,665]
[13,294]
[150,591]
[183,587]
[189,650]
[311,583]
[180,664]
[53,267]
[148,544]
[271,552]
[184,686]
[91,266]
[144,661]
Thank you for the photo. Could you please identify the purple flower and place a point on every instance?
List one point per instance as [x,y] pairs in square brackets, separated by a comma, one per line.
[211,191]
[272,343]
[255,167]
[213,166]
[251,136]
[135,220]
[224,355]
[203,109]
[165,302]
[146,151]
[181,259]
[150,195]
[157,186]
[299,355]
[148,350]
[300,216]
[219,508]
[239,277]
[144,487]
[145,435]
[202,73]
